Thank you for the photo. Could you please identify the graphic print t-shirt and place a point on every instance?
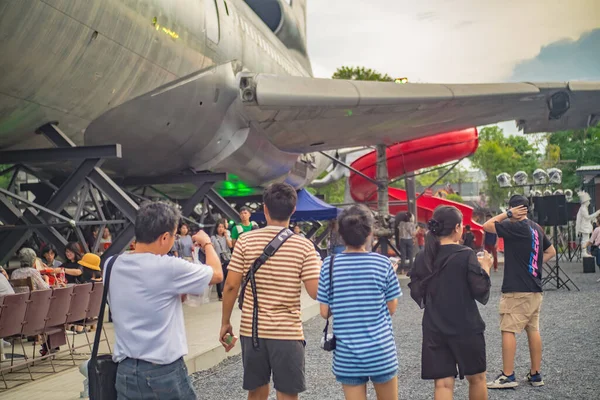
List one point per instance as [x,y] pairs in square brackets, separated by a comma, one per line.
[524,246]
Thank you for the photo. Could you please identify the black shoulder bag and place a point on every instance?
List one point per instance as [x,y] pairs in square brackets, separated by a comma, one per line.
[102,370]
[268,252]
[329,343]
[418,287]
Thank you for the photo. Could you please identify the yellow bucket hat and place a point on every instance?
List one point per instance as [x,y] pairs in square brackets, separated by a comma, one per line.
[91,261]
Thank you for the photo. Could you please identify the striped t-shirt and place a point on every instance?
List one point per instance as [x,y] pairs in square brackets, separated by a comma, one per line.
[278,282]
[363,283]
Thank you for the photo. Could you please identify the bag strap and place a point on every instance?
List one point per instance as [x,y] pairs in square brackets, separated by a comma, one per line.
[331,261]
[109,266]
[268,252]
[430,278]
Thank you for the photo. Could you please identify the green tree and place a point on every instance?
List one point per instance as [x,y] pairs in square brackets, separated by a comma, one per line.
[360,74]
[458,174]
[498,153]
[455,197]
[333,192]
[4,179]
[575,149]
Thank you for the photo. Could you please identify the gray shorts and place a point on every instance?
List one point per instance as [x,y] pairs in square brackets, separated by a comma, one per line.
[283,358]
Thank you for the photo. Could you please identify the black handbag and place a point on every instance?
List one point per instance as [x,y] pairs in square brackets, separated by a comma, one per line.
[329,342]
[102,370]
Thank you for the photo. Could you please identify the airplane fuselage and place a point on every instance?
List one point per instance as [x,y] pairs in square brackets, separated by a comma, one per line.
[72,62]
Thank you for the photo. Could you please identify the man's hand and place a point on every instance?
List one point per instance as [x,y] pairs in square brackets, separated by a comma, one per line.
[201,238]
[519,212]
[226,329]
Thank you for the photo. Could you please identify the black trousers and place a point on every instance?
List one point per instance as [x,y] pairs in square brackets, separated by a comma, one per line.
[221,285]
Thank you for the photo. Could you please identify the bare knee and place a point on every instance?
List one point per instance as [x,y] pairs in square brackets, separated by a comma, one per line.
[445,384]
[261,393]
[286,396]
[476,379]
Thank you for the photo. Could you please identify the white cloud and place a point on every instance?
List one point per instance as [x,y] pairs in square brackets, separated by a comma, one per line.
[440,40]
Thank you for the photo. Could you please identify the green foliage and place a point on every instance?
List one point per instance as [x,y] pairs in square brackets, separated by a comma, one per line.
[333,193]
[360,74]
[498,153]
[458,174]
[581,146]
[4,179]
[455,197]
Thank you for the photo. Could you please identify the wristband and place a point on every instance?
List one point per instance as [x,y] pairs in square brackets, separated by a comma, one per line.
[206,245]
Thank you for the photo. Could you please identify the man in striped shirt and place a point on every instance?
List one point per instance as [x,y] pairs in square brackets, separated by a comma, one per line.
[280,337]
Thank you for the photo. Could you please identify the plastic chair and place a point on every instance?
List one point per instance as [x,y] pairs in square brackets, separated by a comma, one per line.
[35,316]
[57,316]
[80,299]
[12,314]
[92,312]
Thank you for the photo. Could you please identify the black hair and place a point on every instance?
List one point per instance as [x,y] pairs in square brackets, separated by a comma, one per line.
[280,199]
[74,247]
[47,249]
[155,218]
[355,225]
[518,200]
[407,217]
[442,224]
[468,228]
[220,221]
[245,208]
[186,225]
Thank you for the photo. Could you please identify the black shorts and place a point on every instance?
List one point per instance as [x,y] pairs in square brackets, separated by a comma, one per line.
[440,355]
[283,358]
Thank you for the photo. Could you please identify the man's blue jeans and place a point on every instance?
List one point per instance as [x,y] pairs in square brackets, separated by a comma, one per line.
[137,380]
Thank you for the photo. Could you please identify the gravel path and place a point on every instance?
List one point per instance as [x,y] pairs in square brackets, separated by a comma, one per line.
[570,325]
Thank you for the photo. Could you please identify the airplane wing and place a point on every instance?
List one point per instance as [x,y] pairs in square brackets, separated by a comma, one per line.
[302,115]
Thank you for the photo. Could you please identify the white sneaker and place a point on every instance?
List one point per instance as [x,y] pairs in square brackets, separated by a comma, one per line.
[5,343]
[503,382]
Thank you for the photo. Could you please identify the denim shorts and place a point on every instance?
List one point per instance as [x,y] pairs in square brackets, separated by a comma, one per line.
[361,380]
[139,380]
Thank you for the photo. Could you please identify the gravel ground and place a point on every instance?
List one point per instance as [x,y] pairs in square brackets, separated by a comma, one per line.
[570,326]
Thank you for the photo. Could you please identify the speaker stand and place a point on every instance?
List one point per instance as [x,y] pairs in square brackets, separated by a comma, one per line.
[553,272]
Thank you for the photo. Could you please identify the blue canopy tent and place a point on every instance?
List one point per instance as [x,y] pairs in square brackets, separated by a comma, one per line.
[308,208]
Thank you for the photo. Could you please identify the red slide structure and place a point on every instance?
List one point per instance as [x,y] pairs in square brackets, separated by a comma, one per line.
[413,155]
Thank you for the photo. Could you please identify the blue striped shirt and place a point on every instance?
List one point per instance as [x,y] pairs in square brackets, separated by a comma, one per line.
[363,283]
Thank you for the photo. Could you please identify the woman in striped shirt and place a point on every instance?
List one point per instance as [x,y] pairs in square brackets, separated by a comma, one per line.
[362,298]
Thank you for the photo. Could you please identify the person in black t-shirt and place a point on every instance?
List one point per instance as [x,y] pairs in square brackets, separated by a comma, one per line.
[526,248]
[452,279]
[468,239]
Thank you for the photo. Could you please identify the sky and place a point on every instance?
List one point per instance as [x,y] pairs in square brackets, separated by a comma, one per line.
[458,41]
[449,41]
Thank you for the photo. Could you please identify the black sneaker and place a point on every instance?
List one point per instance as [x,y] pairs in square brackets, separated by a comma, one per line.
[503,382]
[535,379]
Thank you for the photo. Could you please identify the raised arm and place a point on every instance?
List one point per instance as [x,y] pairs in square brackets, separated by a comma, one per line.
[212,258]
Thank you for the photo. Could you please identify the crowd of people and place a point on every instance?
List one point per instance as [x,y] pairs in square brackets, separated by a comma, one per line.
[264,270]
[359,289]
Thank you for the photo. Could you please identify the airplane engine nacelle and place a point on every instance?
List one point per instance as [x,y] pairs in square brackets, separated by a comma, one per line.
[281,19]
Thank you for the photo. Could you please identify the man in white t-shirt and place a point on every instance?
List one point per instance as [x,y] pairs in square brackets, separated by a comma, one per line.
[145,295]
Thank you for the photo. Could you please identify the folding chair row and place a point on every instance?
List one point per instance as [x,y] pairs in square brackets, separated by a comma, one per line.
[45,313]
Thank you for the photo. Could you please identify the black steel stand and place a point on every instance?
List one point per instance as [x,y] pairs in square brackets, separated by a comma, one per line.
[87,197]
[384,242]
[553,272]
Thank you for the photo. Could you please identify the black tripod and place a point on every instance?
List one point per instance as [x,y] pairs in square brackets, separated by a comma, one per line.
[553,272]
